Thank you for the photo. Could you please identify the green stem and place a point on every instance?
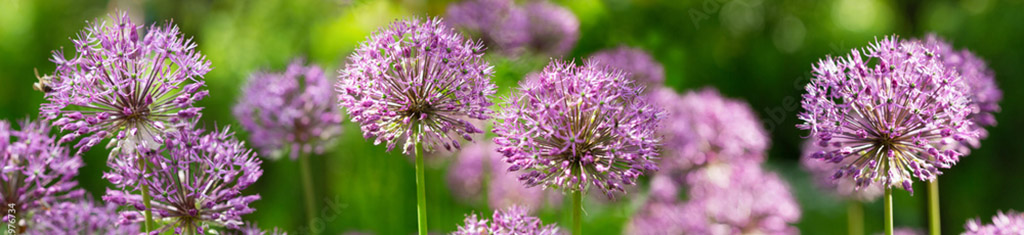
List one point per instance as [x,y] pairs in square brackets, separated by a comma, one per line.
[421,192]
[307,188]
[888,211]
[577,209]
[855,218]
[933,207]
[149,225]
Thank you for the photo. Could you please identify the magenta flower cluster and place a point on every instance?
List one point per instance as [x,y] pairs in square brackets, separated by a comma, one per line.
[822,172]
[537,26]
[417,82]
[641,67]
[80,217]
[579,126]
[290,113]
[124,83]
[898,117]
[37,172]
[1002,223]
[514,220]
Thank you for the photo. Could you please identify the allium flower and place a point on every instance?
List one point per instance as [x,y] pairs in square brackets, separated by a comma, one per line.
[195,180]
[514,220]
[641,66]
[37,172]
[80,217]
[822,173]
[896,113]
[657,217]
[576,126]
[417,82]
[739,199]
[291,113]
[499,23]
[703,128]
[1002,223]
[125,84]
[983,91]
[479,166]
[553,29]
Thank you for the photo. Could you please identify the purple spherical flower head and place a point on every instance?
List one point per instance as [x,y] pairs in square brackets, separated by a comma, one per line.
[37,172]
[705,128]
[985,94]
[80,216]
[822,172]
[642,68]
[514,220]
[291,113]
[499,23]
[553,29]
[124,84]
[895,113]
[739,198]
[417,81]
[195,180]
[576,126]
[479,166]
[1002,223]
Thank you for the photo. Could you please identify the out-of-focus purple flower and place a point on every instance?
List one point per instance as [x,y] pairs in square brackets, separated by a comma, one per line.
[125,84]
[417,82]
[479,166]
[37,172]
[657,217]
[291,113]
[738,198]
[553,29]
[640,66]
[253,229]
[576,126]
[1002,223]
[704,128]
[514,220]
[195,180]
[983,91]
[822,173]
[499,23]
[896,113]
[80,216]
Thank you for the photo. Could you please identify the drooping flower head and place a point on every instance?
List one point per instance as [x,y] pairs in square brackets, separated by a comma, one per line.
[124,83]
[738,198]
[641,66]
[81,216]
[479,166]
[37,172]
[1002,223]
[704,127]
[291,113]
[499,23]
[553,29]
[514,220]
[417,81]
[823,171]
[195,180]
[577,126]
[896,113]
[982,89]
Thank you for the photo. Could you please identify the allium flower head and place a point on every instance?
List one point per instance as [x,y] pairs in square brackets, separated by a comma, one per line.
[1002,224]
[514,220]
[704,127]
[576,126]
[417,81]
[195,180]
[640,65]
[889,117]
[80,216]
[739,199]
[290,113]
[982,89]
[125,83]
[37,172]
[499,23]
[823,171]
[479,166]
[553,29]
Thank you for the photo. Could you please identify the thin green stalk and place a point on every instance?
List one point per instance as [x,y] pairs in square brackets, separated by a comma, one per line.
[855,218]
[933,208]
[307,188]
[577,209]
[149,225]
[421,192]
[888,211]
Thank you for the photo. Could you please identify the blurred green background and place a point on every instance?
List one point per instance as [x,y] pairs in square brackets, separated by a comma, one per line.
[758,51]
